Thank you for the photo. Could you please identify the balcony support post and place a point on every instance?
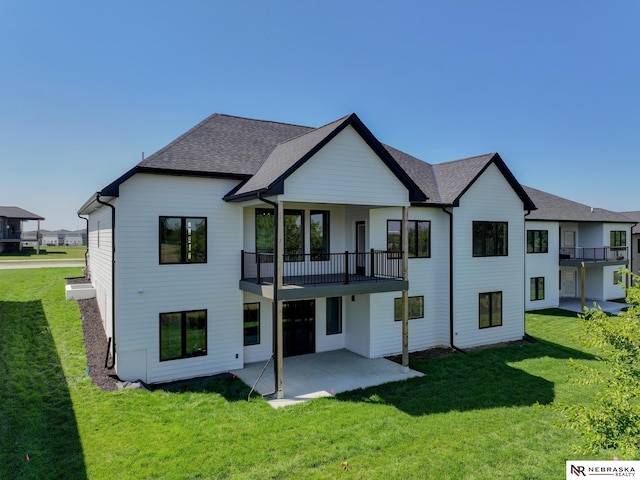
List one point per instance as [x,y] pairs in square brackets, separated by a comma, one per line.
[582,285]
[405,292]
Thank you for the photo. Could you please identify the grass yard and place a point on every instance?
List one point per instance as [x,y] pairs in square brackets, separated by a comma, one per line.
[46,253]
[484,415]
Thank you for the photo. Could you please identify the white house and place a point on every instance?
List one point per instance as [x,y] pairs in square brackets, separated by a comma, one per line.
[245,238]
[635,241]
[573,251]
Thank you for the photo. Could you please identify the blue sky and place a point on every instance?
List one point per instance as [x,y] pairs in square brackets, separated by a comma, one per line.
[554,87]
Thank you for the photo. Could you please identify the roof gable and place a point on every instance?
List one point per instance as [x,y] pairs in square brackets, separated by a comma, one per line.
[18,213]
[288,156]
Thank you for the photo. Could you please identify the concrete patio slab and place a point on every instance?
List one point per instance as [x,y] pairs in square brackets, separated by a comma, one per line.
[323,374]
[575,305]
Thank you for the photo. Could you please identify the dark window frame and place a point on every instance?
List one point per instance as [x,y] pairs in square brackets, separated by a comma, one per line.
[397,308]
[618,238]
[491,296]
[486,239]
[288,256]
[325,250]
[183,335]
[338,321]
[244,323]
[413,231]
[542,238]
[536,289]
[183,256]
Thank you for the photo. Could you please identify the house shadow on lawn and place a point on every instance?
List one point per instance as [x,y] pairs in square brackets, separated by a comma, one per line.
[482,379]
[40,436]
[227,385]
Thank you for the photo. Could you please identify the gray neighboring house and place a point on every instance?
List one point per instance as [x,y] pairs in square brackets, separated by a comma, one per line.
[11,219]
[635,241]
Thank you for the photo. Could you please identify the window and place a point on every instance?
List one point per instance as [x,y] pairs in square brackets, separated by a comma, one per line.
[251,324]
[183,334]
[416,308]
[536,288]
[293,234]
[537,241]
[419,232]
[490,309]
[490,239]
[639,245]
[618,238]
[183,240]
[334,315]
[617,277]
[319,224]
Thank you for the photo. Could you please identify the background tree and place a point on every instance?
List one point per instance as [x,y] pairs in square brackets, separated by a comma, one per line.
[613,421]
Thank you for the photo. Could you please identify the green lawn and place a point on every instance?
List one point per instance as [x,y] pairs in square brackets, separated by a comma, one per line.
[484,415]
[46,253]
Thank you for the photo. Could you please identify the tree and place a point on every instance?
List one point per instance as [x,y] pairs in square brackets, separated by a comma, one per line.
[613,421]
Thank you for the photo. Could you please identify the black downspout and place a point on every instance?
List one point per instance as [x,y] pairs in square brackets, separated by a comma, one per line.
[453,346]
[86,253]
[274,307]
[113,280]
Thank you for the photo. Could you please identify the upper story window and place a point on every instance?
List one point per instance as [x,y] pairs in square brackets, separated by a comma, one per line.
[293,234]
[419,232]
[319,225]
[183,240]
[618,238]
[490,239]
[537,241]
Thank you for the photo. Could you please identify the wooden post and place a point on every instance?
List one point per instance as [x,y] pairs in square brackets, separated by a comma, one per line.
[405,292]
[278,286]
[582,283]
[38,239]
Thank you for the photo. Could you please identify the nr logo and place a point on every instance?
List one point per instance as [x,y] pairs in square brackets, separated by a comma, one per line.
[578,470]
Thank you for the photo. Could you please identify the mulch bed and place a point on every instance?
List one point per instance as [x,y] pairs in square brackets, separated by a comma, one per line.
[95,342]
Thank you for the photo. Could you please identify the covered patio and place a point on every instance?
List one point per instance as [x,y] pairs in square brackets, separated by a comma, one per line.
[575,305]
[323,374]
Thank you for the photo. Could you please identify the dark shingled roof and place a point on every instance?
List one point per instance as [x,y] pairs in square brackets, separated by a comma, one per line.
[552,207]
[223,144]
[18,213]
[263,153]
[635,217]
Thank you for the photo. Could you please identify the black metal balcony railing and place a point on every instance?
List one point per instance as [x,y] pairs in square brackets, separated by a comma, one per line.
[10,235]
[313,269]
[594,254]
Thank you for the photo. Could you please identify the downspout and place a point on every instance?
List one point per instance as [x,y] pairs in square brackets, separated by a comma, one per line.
[113,282]
[451,342]
[524,280]
[274,313]
[86,253]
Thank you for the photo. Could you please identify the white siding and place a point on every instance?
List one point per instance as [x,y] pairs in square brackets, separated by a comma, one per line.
[543,265]
[428,277]
[611,290]
[345,171]
[324,342]
[100,262]
[145,288]
[490,198]
[357,324]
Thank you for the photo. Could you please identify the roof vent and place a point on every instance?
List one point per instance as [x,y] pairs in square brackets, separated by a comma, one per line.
[591,209]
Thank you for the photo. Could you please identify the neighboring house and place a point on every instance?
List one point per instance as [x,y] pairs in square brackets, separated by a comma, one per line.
[64,237]
[635,241]
[204,228]
[50,240]
[11,221]
[573,251]
[72,240]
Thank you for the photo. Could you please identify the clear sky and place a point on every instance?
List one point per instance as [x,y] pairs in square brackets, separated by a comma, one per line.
[553,86]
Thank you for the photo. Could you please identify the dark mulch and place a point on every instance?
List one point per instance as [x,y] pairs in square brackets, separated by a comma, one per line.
[95,342]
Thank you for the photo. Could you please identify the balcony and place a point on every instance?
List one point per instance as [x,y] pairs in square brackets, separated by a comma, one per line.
[592,255]
[326,274]
[10,235]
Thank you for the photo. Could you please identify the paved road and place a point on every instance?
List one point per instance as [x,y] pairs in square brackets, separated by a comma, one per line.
[13,264]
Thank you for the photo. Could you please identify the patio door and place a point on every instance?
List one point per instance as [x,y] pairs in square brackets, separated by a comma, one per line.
[299,327]
[361,247]
[569,283]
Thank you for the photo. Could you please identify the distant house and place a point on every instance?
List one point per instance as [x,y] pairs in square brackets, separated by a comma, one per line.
[72,240]
[635,241]
[244,239]
[11,222]
[573,251]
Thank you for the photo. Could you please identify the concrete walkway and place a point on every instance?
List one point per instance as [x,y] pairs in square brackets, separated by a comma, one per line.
[323,374]
[14,264]
[575,305]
